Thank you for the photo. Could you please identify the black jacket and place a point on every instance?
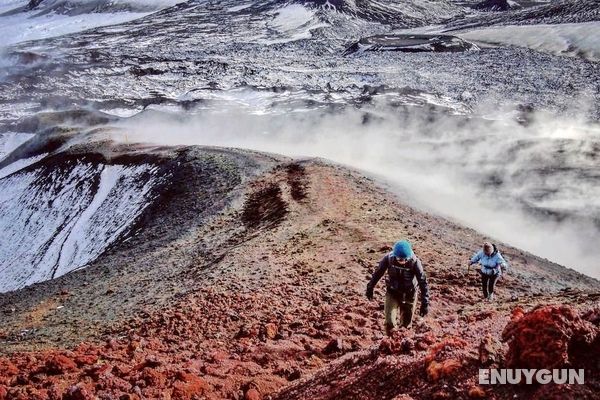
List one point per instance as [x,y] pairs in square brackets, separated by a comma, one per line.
[402,280]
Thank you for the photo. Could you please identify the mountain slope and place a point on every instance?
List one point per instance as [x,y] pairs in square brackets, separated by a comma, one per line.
[257,292]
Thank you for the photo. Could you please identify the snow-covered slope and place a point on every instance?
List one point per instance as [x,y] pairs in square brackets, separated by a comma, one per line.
[20,22]
[576,40]
[59,212]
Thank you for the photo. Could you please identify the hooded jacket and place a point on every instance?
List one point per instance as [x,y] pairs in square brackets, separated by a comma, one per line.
[490,265]
[402,280]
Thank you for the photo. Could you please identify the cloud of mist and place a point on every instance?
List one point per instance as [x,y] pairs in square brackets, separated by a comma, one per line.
[495,175]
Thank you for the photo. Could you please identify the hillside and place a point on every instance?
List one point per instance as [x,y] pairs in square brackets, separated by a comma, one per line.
[245,278]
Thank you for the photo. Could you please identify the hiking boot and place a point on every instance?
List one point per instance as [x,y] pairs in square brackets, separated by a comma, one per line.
[491,297]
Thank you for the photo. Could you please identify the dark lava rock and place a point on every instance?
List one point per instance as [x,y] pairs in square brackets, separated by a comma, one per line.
[33,4]
[493,5]
[411,44]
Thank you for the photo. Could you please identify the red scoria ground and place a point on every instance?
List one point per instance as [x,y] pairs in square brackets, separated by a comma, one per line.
[282,314]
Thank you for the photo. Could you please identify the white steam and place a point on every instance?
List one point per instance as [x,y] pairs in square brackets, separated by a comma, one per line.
[439,162]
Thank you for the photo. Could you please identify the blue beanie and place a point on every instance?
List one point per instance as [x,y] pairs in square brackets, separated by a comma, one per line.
[402,249]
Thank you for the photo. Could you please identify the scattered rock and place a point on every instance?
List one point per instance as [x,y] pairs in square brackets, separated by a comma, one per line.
[334,346]
[447,368]
[59,364]
[252,394]
[477,392]
[489,351]
[493,5]
[77,393]
[188,386]
[548,337]
[270,331]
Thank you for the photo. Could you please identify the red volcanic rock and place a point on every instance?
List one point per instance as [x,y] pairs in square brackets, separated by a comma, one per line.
[7,368]
[86,359]
[252,394]
[97,372]
[334,346]
[153,377]
[187,386]
[548,337]
[592,316]
[270,331]
[219,355]
[477,392]
[443,369]
[59,364]
[441,350]
[3,392]
[77,393]
[389,345]
[489,350]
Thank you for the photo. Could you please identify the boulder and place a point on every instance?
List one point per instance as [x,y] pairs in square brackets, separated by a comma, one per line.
[188,386]
[59,364]
[549,337]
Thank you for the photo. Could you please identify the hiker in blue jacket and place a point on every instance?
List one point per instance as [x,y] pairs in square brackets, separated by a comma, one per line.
[492,263]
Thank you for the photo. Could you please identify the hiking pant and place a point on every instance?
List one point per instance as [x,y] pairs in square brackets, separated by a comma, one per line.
[488,282]
[398,308]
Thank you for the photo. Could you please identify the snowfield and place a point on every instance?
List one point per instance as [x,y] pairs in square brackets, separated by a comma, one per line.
[55,220]
[46,22]
[575,40]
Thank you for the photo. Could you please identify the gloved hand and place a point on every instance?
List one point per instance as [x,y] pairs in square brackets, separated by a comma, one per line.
[369,293]
[424,309]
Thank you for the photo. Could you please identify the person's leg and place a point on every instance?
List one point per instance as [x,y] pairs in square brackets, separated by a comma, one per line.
[408,311]
[390,310]
[484,285]
[491,286]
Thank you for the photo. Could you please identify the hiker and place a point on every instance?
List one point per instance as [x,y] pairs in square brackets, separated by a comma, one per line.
[404,271]
[492,264]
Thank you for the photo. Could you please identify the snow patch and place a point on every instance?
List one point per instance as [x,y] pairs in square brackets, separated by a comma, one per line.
[580,39]
[19,165]
[293,22]
[240,7]
[33,25]
[292,17]
[11,140]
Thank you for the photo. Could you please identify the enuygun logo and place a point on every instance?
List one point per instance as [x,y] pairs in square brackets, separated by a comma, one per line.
[531,376]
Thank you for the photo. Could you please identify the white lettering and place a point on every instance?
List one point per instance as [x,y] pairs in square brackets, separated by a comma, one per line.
[543,376]
[498,376]
[484,376]
[577,376]
[528,375]
[560,376]
[513,376]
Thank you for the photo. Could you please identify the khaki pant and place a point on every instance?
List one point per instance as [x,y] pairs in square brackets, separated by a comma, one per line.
[398,308]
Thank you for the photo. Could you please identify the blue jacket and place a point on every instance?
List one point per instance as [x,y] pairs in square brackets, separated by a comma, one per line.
[490,265]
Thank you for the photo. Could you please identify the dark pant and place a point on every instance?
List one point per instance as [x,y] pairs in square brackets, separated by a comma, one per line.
[487,284]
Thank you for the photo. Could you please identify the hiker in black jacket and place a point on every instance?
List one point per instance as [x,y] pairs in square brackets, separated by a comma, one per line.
[405,271]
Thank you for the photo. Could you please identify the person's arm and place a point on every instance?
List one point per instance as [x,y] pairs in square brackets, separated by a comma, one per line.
[422,280]
[501,262]
[476,257]
[383,265]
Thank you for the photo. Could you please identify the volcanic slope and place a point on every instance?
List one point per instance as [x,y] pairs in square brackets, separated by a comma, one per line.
[262,295]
